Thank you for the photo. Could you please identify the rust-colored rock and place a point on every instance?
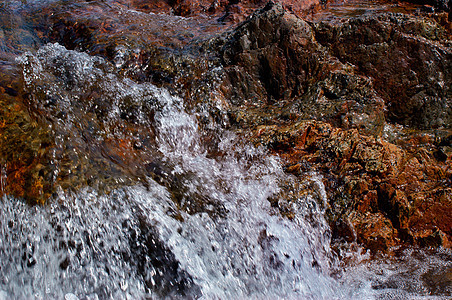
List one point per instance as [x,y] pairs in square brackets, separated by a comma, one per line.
[364,102]
[385,182]
[229,11]
[25,142]
[374,231]
[369,179]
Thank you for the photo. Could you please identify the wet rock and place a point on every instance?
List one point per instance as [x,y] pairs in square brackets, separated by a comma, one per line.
[25,139]
[182,192]
[25,143]
[432,5]
[76,97]
[146,47]
[439,281]
[374,231]
[230,11]
[157,265]
[432,238]
[286,72]
[274,59]
[408,59]
[365,102]
[369,179]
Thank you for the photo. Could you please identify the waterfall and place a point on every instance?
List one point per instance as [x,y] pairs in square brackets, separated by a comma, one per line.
[219,237]
[179,216]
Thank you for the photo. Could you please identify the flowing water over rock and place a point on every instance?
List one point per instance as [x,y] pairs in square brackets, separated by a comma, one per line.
[151,199]
[137,240]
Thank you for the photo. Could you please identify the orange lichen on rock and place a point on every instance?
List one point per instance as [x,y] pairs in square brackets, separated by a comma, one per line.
[22,143]
[381,182]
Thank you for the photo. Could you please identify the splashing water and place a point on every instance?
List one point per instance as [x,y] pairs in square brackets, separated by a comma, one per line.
[137,241]
[198,227]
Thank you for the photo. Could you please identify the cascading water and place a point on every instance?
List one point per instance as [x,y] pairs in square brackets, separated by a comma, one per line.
[183,222]
[137,241]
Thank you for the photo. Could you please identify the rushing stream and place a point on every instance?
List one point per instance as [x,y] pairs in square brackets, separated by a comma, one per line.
[87,244]
[135,242]
[192,225]
[130,243]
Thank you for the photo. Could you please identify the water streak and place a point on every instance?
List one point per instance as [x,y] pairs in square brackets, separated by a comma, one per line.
[200,226]
[220,239]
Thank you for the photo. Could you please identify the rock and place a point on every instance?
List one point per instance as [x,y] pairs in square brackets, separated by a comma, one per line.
[436,4]
[409,61]
[102,127]
[286,73]
[25,144]
[439,281]
[364,102]
[230,11]
[81,106]
[274,59]
[155,263]
[432,238]
[365,176]
[374,231]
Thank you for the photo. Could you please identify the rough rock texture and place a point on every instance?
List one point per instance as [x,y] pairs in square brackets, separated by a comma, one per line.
[363,101]
[274,59]
[385,181]
[380,194]
[409,60]
[24,144]
[225,10]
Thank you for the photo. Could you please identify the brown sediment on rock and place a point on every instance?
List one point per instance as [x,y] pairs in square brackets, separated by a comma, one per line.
[330,102]
[25,143]
[35,163]
[363,101]
[379,194]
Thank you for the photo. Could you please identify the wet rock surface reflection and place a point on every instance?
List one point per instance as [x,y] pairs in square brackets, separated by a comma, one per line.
[225,149]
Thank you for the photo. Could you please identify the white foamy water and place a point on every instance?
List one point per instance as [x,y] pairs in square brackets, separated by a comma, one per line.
[219,239]
[238,247]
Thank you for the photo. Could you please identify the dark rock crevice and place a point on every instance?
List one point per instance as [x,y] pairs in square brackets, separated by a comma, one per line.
[364,101]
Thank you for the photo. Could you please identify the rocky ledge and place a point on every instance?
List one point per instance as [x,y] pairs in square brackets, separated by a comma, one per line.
[364,101]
